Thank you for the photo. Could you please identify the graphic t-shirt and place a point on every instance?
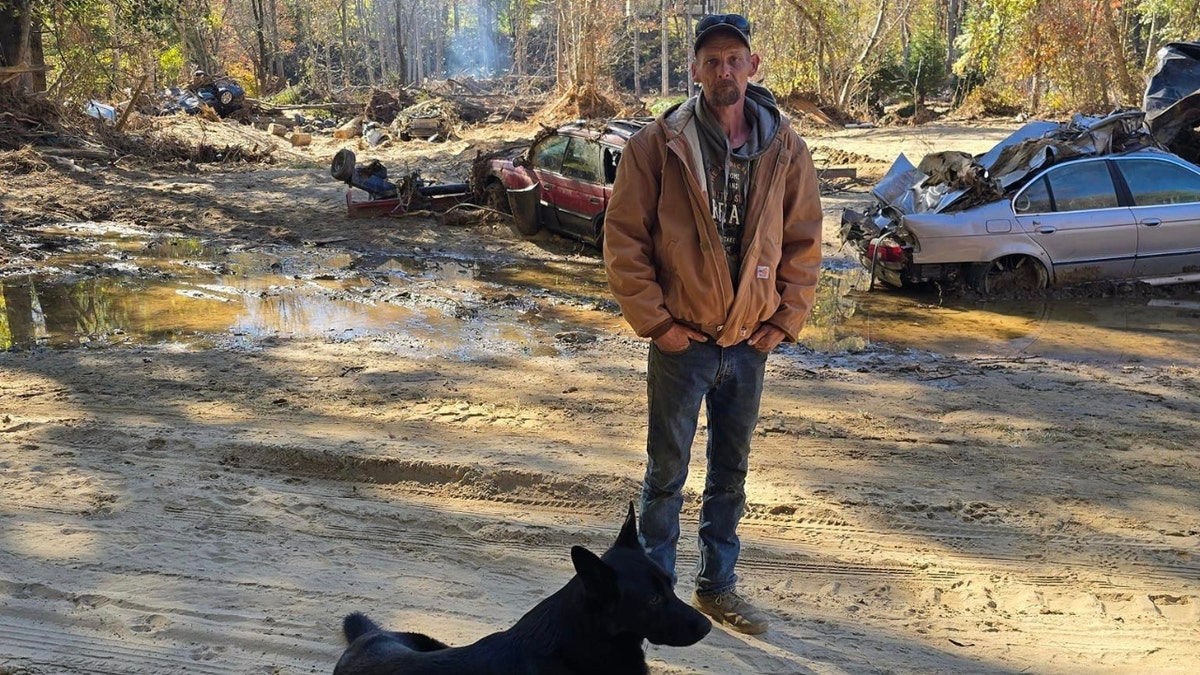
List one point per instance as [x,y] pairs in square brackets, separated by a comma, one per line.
[727,200]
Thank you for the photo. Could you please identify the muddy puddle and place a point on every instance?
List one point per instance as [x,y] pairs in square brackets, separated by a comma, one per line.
[1160,330]
[114,286]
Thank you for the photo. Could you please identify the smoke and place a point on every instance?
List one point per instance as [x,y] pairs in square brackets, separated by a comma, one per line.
[477,48]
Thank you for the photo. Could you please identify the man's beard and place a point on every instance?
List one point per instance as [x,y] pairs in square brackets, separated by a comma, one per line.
[724,93]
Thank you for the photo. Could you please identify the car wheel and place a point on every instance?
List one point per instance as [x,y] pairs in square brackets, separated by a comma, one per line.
[497,196]
[342,167]
[226,97]
[1009,275]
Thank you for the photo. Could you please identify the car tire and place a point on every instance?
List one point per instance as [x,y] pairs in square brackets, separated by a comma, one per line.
[1009,275]
[342,167]
[225,97]
[496,196]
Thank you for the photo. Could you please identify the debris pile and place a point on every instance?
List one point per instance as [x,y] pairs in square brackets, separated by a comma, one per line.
[27,119]
[954,181]
[433,120]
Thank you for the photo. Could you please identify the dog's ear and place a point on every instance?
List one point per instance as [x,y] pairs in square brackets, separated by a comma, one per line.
[599,580]
[629,534]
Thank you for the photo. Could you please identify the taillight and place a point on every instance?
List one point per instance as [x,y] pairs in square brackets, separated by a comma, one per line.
[889,253]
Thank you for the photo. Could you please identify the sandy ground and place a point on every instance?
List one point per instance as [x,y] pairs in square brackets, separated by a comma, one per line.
[217,509]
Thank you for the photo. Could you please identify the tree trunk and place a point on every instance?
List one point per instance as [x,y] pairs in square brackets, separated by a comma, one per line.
[364,29]
[21,47]
[637,56]
[10,44]
[953,19]
[665,52]
[401,43]
[520,14]
[856,73]
[1129,92]
[826,78]
[261,55]
[190,20]
[24,57]
[276,69]
[344,58]
[439,46]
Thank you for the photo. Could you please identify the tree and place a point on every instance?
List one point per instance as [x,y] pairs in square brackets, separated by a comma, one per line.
[22,65]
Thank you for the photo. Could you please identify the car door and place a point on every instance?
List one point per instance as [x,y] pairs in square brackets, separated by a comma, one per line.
[1073,213]
[1166,206]
[545,160]
[580,196]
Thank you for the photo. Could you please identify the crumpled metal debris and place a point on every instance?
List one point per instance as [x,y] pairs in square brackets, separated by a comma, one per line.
[953,181]
[430,120]
[374,134]
[1172,99]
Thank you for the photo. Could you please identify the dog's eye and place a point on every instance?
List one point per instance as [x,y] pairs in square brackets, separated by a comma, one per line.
[655,600]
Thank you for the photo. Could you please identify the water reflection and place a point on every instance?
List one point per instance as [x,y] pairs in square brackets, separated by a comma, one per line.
[1092,329]
[58,313]
[117,288]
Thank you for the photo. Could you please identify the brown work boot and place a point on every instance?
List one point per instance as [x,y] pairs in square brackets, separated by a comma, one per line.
[732,610]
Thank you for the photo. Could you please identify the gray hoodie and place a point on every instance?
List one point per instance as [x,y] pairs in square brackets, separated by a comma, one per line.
[728,171]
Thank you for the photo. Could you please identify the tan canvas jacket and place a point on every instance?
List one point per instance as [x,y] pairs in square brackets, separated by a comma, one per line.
[664,257]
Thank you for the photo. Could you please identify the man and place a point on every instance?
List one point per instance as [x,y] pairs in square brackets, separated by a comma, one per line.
[712,246]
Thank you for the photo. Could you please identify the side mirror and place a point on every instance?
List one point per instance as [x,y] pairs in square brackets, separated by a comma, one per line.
[520,161]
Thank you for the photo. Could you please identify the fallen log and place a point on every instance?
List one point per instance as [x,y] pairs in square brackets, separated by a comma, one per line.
[80,153]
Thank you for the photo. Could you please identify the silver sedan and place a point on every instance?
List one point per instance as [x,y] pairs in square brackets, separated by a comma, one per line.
[1058,218]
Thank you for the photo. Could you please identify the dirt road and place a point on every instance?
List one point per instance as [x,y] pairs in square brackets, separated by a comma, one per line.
[217,505]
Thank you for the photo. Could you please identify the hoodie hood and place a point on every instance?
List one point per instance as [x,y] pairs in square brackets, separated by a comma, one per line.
[763,114]
[761,110]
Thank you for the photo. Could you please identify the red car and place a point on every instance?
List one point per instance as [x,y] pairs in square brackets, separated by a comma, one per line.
[563,180]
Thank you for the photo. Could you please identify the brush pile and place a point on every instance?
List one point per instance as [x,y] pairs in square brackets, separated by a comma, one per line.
[35,126]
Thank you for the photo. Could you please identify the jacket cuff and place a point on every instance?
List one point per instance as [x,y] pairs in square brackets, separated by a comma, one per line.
[787,337]
[660,330]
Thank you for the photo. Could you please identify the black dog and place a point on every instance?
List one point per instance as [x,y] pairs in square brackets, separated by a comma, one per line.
[594,624]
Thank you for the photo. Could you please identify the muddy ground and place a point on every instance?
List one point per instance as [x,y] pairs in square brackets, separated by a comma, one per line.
[188,489]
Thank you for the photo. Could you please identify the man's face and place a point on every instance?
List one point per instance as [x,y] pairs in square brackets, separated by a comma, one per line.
[723,67]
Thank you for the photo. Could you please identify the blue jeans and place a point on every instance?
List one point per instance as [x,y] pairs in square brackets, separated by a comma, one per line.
[730,381]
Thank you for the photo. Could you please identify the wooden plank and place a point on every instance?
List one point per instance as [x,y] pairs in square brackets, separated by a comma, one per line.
[810,109]
[129,106]
[838,172]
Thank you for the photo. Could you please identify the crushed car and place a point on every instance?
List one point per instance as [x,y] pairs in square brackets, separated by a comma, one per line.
[388,198]
[562,181]
[1054,204]
[222,94]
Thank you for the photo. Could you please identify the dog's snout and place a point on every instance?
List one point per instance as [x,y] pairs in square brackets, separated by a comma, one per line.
[681,626]
[701,628]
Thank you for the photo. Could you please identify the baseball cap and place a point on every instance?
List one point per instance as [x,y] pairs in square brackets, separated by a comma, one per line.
[735,24]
